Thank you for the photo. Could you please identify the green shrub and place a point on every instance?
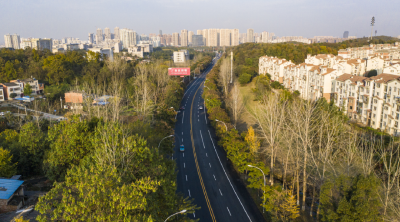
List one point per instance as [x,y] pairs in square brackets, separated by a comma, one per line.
[244,78]
[276,85]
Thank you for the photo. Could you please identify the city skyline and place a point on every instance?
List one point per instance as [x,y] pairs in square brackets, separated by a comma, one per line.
[289,18]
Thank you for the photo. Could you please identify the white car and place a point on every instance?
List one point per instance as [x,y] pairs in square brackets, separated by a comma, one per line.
[1,113]
[200,107]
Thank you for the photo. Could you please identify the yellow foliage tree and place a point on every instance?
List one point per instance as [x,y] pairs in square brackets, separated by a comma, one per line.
[288,208]
[21,219]
[252,140]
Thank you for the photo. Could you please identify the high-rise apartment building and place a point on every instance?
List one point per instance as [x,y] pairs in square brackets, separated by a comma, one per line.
[175,39]
[346,34]
[90,38]
[264,37]
[234,37]
[197,40]
[12,41]
[99,35]
[116,33]
[37,43]
[205,37]
[190,36]
[213,37]
[184,37]
[128,38]
[250,35]
[107,33]
[199,32]
[225,37]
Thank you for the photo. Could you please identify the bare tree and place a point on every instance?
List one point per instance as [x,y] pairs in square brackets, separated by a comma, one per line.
[236,102]
[270,115]
[224,75]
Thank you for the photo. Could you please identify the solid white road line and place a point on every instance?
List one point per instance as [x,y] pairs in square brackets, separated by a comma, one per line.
[227,176]
[214,177]
[220,192]
[229,211]
[202,139]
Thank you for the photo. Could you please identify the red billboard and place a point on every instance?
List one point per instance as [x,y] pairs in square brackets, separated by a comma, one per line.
[179,71]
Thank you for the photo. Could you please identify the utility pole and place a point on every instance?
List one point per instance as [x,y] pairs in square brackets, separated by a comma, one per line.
[231,66]
[61,102]
[372,25]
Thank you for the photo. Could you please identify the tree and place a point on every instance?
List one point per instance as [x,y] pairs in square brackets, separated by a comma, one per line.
[252,140]
[7,168]
[69,144]
[20,219]
[27,90]
[244,78]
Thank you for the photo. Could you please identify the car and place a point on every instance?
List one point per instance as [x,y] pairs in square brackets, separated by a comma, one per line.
[201,107]
[182,148]
[182,108]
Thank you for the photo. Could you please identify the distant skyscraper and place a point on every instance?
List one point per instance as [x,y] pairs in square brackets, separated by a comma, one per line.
[346,34]
[175,39]
[234,37]
[190,35]
[212,37]
[250,35]
[160,32]
[12,41]
[99,36]
[225,37]
[197,40]
[128,38]
[199,32]
[116,33]
[205,37]
[264,37]
[184,37]
[107,33]
[90,38]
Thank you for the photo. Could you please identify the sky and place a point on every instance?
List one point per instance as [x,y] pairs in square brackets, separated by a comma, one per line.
[307,18]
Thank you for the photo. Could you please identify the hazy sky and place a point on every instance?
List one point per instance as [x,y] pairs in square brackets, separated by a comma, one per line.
[308,18]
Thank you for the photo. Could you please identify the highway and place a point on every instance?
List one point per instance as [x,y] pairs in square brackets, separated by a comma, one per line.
[203,172]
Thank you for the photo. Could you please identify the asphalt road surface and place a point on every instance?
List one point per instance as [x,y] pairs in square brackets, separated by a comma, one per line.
[203,171]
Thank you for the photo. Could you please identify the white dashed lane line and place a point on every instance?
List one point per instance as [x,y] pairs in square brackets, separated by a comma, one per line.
[209,164]
[214,177]
[229,211]
[184,165]
[220,192]
[187,180]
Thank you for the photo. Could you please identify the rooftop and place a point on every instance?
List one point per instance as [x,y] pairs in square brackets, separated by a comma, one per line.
[8,187]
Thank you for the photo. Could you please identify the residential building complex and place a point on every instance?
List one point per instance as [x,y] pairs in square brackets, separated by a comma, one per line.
[12,41]
[181,56]
[371,101]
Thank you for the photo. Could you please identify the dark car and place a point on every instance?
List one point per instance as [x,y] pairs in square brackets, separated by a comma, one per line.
[182,108]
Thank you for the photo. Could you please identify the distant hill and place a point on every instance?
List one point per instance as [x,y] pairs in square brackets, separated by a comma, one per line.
[375,40]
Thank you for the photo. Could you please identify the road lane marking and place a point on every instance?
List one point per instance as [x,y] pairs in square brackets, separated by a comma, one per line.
[182,133]
[198,120]
[182,140]
[183,117]
[183,154]
[194,215]
[229,211]
[186,177]
[206,155]
[202,139]
[189,193]
[220,192]
[184,165]
[227,176]
[197,163]
[209,164]
[214,177]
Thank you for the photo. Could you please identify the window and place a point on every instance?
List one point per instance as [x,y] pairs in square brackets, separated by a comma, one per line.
[373,122]
[397,116]
[378,85]
[385,116]
[374,115]
[375,101]
[374,108]
[377,93]
[351,107]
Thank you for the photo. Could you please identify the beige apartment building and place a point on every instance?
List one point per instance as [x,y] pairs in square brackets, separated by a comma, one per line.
[175,39]
[184,38]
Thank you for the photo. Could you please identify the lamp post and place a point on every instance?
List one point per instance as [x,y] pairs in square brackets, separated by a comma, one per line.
[223,123]
[162,140]
[264,180]
[180,212]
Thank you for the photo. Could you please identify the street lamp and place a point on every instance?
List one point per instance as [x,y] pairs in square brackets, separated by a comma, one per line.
[180,212]
[162,140]
[264,180]
[223,123]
